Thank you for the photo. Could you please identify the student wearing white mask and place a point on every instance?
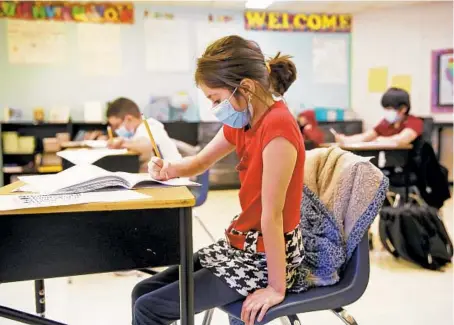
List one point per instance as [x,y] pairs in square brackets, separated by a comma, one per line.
[125,119]
[396,127]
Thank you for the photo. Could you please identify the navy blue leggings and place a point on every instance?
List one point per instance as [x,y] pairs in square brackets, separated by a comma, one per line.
[156,300]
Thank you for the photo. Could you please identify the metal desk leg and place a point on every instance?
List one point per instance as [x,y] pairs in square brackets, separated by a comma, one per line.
[40,298]
[186,268]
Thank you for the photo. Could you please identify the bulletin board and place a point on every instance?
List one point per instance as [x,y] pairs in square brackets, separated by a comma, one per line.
[88,61]
[442,81]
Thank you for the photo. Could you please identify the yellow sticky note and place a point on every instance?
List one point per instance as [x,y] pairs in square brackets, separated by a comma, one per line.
[378,79]
[402,81]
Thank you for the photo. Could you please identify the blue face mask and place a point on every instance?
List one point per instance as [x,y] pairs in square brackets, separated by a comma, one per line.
[226,114]
[123,132]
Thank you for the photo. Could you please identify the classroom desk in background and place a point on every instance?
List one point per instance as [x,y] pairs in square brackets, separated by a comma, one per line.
[128,163]
[96,238]
[383,156]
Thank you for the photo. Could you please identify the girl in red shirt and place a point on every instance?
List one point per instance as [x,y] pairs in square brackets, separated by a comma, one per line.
[262,249]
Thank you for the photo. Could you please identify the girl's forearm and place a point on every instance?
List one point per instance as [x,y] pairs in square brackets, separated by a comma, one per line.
[273,239]
[188,166]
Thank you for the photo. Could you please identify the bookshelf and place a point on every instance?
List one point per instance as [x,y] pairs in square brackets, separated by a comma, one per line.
[17,163]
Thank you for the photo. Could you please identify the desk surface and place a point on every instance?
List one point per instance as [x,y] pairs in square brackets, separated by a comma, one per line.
[367,146]
[128,153]
[160,198]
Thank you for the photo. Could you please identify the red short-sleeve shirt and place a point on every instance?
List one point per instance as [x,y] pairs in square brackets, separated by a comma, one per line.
[276,122]
[386,129]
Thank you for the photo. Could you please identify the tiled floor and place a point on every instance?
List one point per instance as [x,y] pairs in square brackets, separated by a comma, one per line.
[398,293]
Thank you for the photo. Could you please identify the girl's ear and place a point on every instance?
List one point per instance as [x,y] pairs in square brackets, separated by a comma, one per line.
[247,86]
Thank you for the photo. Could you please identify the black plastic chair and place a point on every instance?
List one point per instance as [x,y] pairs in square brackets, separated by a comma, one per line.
[349,289]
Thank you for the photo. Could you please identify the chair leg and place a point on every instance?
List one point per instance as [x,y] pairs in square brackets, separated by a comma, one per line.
[344,316]
[207,317]
[148,271]
[40,298]
[293,319]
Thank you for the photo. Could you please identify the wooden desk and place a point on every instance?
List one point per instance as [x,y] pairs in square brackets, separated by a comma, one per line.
[98,237]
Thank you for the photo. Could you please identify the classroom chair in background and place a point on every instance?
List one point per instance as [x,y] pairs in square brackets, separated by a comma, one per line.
[349,289]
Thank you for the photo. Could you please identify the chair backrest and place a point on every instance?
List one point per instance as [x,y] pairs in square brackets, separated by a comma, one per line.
[428,128]
[201,193]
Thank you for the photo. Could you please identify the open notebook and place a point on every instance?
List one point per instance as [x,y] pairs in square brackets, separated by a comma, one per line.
[88,178]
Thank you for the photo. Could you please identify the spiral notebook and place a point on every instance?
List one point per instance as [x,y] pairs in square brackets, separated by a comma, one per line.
[89,178]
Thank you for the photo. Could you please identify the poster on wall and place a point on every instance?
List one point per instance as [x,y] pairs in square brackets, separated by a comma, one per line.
[300,22]
[36,42]
[442,80]
[71,11]
[329,61]
[167,45]
[99,49]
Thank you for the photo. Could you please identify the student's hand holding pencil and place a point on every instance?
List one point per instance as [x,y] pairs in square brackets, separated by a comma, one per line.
[115,143]
[160,169]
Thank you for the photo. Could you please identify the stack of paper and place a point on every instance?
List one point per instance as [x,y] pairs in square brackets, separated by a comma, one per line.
[95,143]
[89,156]
[88,178]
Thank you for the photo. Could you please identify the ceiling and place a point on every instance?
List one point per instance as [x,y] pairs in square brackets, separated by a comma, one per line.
[297,6]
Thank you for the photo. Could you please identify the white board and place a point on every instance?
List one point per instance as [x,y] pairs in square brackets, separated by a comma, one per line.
[167,45]
[329,60]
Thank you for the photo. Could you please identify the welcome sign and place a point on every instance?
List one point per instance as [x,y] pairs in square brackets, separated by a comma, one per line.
[277,21]
[90,12]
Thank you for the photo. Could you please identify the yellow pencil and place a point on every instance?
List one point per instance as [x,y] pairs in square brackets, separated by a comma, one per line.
[109,132]
[153,143]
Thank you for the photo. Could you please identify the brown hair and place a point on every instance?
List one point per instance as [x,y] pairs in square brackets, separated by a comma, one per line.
[229,60]
[121,107]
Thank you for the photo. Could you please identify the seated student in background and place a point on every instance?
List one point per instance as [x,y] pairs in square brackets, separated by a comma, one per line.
[309,127]
[397,127]
[125,119]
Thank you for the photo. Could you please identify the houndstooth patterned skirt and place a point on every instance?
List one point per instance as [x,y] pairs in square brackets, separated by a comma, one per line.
[246,270]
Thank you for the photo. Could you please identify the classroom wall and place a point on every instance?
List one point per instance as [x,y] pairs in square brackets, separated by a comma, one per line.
[402,40]
[29,86]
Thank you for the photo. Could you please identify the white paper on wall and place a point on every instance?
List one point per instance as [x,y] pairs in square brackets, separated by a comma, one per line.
[209,32]
[93,112]
[99,49]
[167,45]
[329,60]
[36,42]
[206,34]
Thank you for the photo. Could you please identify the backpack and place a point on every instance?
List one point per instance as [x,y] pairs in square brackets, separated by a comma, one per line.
[414,232]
